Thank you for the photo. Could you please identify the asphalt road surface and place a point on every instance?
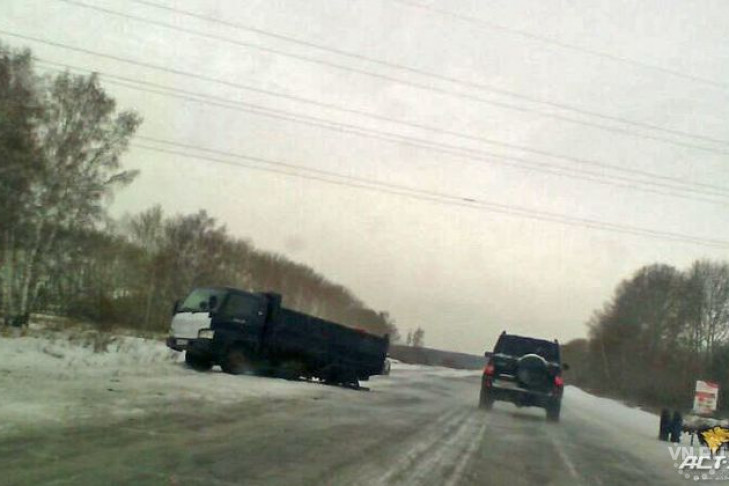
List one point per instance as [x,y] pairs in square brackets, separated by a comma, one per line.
[414,427]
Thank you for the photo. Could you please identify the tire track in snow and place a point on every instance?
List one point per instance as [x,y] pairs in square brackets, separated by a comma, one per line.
[565,459]
[446,462]
[466,457]
[396,457]
[442,455]
[422,442]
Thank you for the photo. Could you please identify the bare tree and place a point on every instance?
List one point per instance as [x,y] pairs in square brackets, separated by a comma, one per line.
[61,138]
[663,329]
[80,139]
[18,162]
[146,230]
[419,338]
[710,322]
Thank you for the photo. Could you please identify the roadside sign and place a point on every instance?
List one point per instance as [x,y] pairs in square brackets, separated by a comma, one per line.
[705,398]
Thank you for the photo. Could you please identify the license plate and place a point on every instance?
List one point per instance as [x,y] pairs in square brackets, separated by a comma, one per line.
[507,384]
[182,342]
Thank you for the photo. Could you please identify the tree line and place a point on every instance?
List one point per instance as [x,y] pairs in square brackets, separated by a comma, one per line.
[61,140]
[415,338]
[662,330]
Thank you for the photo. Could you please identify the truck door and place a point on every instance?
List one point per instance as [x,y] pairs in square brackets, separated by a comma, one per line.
[240,317]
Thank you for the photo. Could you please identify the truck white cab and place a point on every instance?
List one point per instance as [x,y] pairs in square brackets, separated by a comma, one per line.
[192,314]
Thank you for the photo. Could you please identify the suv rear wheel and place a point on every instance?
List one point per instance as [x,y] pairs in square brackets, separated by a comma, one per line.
[486,402]
[553,410]
[290,369]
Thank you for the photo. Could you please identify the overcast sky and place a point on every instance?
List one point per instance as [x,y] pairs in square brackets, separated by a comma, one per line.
[462,274]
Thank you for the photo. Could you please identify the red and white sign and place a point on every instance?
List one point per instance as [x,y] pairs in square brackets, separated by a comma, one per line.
[705,398]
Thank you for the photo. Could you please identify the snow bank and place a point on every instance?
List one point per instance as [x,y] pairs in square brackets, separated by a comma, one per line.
[64,355]
[613,414]
[64,378]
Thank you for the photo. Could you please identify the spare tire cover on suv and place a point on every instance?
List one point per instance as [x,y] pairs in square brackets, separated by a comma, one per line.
[532,372]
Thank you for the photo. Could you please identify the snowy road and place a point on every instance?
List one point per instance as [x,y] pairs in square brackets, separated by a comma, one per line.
[417,426]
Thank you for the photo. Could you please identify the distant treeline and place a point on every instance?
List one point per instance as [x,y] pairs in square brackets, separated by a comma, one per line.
[132,273]
[663,329]
[61,139]
[436,357]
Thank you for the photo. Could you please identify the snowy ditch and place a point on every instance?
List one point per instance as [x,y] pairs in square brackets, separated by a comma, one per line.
[69,377]
[65,378]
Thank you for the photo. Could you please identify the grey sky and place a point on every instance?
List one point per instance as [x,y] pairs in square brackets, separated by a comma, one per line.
[462,274]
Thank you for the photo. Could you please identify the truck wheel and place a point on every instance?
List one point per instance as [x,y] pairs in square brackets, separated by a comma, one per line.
[553,410]
[197,362]
[237,363]
[485,401]
[290,370]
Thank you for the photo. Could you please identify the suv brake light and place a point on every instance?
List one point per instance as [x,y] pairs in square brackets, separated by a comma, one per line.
[489,369]
[558,381]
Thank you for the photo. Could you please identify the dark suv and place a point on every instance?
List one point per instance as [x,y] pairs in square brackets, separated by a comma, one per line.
[526,372]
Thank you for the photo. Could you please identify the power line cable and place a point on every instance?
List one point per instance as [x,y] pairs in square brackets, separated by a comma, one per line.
[443,91]
[411,69]
[346,110]
[564,45]
[461,152]
[358,112]
[436,197]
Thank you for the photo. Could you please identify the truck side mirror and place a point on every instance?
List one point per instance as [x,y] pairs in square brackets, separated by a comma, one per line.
[565,366]
[212,305]
[176,307]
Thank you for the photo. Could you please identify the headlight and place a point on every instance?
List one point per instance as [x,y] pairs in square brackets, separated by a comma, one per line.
[206,334]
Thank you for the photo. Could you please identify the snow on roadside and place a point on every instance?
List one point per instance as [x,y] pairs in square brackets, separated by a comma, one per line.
[69,376]
[635,429]
[66,355]
[613,413]
[433,370]
[58,379]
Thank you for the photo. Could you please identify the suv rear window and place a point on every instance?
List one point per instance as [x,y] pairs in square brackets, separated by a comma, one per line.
[519,346]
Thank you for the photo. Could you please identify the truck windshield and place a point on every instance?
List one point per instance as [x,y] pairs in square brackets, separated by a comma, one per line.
[198,300]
